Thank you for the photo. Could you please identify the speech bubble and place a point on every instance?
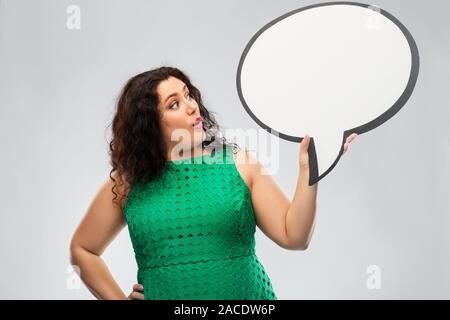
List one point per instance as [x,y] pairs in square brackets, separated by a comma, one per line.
[329,70]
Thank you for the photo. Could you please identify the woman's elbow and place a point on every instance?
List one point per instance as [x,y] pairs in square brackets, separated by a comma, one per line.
[76,251]
[73,251]
[300,246]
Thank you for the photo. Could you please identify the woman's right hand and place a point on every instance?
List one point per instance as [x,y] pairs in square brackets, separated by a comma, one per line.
[137,293]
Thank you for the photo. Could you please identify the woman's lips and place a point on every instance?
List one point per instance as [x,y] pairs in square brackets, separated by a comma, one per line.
[198,123]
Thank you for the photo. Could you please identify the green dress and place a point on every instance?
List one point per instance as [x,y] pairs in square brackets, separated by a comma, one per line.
[193,232]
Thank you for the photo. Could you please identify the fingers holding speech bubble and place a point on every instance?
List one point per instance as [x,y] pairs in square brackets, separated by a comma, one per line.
[331,70]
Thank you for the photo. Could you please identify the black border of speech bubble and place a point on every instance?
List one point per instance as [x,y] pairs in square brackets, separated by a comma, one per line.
[313,171]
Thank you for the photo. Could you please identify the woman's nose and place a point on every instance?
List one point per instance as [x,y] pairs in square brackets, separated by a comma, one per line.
[191,107]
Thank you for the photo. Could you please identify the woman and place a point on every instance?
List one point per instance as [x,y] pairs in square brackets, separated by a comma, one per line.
[191,218]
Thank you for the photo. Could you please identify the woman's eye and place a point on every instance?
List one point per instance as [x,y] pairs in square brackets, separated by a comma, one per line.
[189,96]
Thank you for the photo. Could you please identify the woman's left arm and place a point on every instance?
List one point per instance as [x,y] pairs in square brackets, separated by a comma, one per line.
[289,224]
[300,217]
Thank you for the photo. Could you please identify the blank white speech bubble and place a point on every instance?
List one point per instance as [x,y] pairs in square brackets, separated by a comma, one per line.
[329,70]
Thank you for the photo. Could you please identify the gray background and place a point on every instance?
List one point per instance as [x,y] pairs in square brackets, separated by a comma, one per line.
[384,203]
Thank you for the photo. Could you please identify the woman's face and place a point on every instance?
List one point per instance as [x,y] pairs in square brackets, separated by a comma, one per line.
[179,111]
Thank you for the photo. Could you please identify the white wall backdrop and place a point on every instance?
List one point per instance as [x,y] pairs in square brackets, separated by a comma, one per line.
[386,203]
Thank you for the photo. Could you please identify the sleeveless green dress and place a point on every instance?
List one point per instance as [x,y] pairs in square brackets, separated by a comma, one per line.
[193,232]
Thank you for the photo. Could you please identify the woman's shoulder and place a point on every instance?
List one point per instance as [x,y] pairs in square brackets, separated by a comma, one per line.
[246,164]
[245,157]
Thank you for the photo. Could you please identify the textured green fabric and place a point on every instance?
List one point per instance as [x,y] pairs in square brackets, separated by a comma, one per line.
[193,232]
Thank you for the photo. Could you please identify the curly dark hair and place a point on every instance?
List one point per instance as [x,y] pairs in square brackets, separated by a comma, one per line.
[137,150]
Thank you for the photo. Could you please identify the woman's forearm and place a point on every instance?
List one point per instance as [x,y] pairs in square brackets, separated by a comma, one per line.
[95,275]
[301,213]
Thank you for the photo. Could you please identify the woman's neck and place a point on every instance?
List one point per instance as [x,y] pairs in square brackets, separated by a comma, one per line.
[185,154]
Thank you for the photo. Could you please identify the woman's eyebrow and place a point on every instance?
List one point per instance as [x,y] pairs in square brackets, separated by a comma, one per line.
[174,94]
